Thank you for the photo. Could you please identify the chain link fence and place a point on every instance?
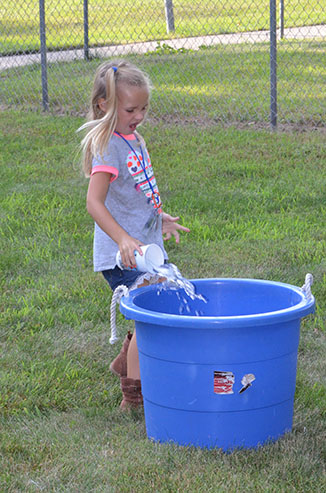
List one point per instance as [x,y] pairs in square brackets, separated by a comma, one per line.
[230,61]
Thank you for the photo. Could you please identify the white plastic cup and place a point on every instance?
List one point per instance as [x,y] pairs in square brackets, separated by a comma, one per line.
[152,258]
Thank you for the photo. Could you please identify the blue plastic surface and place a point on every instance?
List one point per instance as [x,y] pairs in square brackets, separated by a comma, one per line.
[247,327]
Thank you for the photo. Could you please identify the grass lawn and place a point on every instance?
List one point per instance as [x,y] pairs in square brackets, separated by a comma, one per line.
[221,83]
[116,21]
[255,204]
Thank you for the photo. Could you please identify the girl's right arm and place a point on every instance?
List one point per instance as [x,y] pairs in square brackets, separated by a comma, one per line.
[97,190]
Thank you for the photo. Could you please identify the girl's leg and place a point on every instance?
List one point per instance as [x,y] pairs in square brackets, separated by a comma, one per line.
[133,359]
[131,384]
[115,277]
[132,355]
[119,364]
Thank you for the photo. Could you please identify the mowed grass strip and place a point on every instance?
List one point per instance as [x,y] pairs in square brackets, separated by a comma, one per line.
[254,203]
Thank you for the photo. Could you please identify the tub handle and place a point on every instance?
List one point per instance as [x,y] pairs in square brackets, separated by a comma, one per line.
[306,288]
[122,290]
[116,297]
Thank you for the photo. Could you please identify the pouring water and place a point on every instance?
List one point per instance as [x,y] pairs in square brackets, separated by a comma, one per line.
[175,281]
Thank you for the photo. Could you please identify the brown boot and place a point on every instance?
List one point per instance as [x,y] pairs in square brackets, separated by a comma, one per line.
[119,364]
[131,390]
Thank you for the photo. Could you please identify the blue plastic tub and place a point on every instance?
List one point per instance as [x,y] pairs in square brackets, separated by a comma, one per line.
[224,378]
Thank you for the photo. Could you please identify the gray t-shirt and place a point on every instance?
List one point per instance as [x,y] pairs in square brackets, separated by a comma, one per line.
[129,198]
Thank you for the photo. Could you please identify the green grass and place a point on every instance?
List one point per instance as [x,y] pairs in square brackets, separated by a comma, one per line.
[254,202]
[228,84]
[114,22]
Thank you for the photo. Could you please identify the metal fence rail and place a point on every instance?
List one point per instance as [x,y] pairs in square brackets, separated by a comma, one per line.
[230,61]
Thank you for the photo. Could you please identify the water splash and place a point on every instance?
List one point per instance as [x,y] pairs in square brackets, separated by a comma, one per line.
[175,281]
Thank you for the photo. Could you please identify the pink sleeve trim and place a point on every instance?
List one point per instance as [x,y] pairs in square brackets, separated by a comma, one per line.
[106,169]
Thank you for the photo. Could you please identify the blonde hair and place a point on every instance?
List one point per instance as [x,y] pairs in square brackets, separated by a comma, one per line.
[101,124]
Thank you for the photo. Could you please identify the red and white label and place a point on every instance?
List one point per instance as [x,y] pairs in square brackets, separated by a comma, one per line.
[223,382]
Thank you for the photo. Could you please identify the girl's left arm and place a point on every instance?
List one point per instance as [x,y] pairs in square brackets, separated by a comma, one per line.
[171,227]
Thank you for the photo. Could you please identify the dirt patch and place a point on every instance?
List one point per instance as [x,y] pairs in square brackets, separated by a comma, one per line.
[203,122]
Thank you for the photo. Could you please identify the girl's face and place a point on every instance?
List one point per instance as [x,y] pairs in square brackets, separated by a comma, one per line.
[132,107]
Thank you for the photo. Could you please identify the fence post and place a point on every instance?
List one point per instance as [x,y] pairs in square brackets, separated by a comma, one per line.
[273,65]
[169,16]
[86,46]
[281,19]
[44,76]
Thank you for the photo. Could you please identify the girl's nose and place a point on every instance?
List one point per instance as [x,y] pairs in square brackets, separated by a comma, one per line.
[139,117]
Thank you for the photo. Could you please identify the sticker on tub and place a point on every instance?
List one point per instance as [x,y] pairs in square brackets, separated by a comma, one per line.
[223,382]
[246,382]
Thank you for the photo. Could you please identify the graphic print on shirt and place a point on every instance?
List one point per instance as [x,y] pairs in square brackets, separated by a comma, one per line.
[135,168]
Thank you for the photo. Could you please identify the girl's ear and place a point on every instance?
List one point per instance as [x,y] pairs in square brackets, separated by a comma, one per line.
[102,104]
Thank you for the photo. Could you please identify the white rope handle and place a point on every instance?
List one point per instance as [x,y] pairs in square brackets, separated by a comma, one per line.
[116,297]
[306,288]
[122,290]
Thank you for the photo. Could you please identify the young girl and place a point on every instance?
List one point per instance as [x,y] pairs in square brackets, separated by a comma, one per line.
[123,197]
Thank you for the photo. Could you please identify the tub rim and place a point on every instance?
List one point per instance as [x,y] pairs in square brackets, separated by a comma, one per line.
[133,312]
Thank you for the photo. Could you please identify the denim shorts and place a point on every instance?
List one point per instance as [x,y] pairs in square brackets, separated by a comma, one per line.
[115,277]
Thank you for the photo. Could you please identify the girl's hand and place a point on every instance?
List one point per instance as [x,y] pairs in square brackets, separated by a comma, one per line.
[127,246]
[171,227]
